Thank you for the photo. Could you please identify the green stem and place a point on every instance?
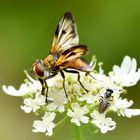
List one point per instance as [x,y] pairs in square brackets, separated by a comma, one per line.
[77,131]
[60,122]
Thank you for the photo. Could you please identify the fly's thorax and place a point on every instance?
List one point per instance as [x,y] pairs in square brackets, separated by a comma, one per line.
[50,63]
[39,68]
[50,60]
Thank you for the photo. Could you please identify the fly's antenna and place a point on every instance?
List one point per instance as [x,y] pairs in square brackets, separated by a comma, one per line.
[30,71]
[29,74]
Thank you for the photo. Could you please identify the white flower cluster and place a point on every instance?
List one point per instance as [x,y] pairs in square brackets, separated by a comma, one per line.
[80,107]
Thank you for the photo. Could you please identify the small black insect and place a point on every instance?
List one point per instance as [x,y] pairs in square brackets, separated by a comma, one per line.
[104,101]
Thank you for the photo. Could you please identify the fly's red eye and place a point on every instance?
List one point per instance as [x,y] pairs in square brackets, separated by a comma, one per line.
[38,69]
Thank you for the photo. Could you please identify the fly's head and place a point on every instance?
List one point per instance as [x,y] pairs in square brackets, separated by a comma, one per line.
[39,69]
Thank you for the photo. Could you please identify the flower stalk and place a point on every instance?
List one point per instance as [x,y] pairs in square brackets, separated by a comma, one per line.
[78,134]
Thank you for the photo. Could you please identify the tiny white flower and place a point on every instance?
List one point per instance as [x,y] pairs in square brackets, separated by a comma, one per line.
[106,82]
[118,104]
[75,89]
[78,114]
[89,98]
[72,85]
[55,81]
[114,103]
[33,104]
[59,100]
[46,125]
[104,124]
[10,90]
[30,86]
[132,112]
[103,81]
[88,81]
[126,75]
[121,106]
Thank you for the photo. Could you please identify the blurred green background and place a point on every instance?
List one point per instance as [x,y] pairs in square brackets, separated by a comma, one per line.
[110,28]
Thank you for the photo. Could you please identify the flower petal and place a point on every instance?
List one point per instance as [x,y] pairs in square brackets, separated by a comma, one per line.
[132,112]
[76,121]
[126,64]
[26,109]
[10,90]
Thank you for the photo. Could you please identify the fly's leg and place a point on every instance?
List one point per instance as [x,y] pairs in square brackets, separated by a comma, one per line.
[46,101]
[43,86]
[44,90]
[78,78]
[81,83]
[88,74]
[63,76]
